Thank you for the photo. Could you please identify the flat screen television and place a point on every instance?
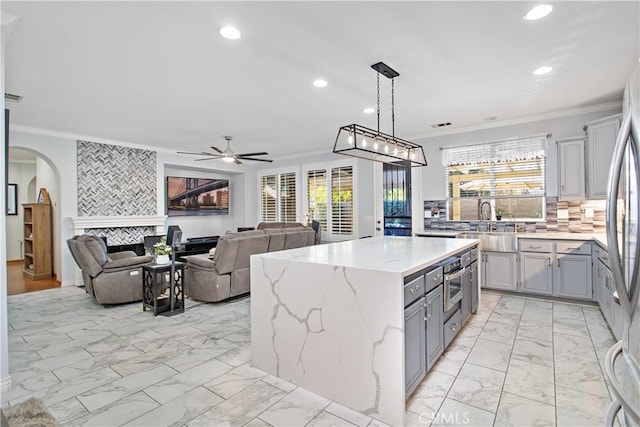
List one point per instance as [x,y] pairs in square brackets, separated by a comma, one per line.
[197,196]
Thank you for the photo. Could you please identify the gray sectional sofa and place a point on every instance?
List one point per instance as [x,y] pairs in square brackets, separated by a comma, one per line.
[226,274]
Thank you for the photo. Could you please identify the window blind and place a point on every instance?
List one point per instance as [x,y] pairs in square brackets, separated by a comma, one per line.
[342,200]
[527,148]
[317,196]
[287,196]
[268,196]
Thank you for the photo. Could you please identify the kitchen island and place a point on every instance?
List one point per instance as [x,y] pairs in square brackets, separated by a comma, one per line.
[330,318]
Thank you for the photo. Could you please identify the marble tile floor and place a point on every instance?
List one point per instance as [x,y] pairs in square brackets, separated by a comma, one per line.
[519,361]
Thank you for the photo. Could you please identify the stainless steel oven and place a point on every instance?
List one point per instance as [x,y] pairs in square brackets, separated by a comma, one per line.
[454,274]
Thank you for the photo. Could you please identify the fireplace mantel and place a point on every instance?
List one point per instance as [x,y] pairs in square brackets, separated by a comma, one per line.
[82,223]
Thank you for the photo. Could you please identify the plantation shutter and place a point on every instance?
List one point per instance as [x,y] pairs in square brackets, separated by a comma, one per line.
[317,196]
[342,200]
[287,192]
[268,196]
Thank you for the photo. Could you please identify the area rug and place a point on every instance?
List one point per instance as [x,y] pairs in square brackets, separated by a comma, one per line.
[30,413]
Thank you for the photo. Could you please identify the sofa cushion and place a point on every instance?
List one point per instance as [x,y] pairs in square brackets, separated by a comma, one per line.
[276,239]
[92,254]
[298,237]
[225,256]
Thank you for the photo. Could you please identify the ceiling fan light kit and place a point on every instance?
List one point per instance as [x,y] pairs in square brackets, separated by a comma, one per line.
[359,141]
[228,155]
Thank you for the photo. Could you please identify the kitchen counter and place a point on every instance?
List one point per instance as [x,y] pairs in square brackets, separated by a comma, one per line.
[599,238]
[330,318]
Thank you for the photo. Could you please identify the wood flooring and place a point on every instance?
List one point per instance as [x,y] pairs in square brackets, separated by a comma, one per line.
[18,284]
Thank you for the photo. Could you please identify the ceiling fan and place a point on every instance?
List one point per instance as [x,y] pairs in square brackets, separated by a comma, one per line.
[228,155]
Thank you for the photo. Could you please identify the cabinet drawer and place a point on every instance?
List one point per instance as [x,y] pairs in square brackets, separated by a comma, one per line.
[413,290]
[531,245]
[433,278]
[575,248]
[452,327]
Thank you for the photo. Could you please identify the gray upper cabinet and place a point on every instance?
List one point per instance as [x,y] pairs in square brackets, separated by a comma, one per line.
[571,173]
[601,139]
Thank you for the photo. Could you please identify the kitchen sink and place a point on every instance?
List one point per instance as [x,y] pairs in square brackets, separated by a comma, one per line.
[494,241]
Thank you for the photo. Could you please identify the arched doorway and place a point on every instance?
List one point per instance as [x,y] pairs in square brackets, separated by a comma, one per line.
[31,170]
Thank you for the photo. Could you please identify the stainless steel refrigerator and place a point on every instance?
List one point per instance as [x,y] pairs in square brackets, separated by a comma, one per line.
[623,235]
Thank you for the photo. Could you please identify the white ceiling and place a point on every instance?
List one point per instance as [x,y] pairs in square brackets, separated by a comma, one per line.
[157,73]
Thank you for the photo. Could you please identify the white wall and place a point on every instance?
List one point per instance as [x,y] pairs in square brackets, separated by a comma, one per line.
[21,174]
[433,176]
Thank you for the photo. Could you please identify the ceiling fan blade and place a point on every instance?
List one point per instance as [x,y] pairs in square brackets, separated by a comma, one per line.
[237,162]
[257,160]
[208,158]
[263,153]
[197,154]
[216,149]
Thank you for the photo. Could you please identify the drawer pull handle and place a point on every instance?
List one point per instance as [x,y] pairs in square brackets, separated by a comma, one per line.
[411,291]
[454,327]
[417,288]
[535,247]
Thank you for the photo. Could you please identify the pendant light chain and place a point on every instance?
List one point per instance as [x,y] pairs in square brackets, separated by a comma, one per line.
[378,91]
[393,110]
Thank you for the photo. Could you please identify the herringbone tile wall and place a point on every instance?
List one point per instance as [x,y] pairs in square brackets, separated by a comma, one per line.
[115,180]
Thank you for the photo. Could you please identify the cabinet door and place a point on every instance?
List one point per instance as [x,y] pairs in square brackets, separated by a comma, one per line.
[474,287]
[414,345]
[434,325]
[536,273]
[571,177]
[573,276]
[601,138]
[465,306]
[500,270]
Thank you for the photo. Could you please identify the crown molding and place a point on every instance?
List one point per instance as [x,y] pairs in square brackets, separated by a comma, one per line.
[519,120]
[79,137]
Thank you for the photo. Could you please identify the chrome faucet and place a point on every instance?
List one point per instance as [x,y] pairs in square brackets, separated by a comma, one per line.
[481,214]
[515,226]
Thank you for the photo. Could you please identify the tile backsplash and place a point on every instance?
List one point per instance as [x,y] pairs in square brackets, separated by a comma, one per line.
[576,216]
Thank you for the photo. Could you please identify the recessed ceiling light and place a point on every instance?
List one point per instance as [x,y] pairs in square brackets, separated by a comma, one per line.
[229,32]
[369,110]
[543,70]
[538,12]
[320,83]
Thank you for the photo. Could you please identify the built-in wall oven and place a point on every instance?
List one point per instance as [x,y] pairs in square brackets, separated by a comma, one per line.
[455,274]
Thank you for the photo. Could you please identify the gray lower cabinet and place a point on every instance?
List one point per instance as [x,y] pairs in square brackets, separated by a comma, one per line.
[434,325]
[536,273]
[465,303]
[500,270]
[414,345]
[573,276]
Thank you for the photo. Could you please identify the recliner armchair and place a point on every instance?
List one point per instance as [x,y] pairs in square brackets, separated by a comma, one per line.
[114,278]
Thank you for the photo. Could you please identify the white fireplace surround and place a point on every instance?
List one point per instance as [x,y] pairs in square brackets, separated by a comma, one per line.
[83,223]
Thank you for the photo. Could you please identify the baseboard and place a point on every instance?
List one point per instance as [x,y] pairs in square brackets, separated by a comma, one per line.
[5,384]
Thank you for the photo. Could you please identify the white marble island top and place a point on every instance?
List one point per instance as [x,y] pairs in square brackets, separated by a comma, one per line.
[404,255]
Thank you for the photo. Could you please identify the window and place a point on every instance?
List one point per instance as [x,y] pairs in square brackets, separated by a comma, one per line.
[342,200]
[278,197]
[330,199]
[510,175]
[317,191]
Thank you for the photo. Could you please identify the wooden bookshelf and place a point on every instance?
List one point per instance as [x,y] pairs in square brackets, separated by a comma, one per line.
[38,257]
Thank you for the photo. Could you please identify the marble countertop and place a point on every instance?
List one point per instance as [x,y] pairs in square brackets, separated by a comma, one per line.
[404,255]
[599,238]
